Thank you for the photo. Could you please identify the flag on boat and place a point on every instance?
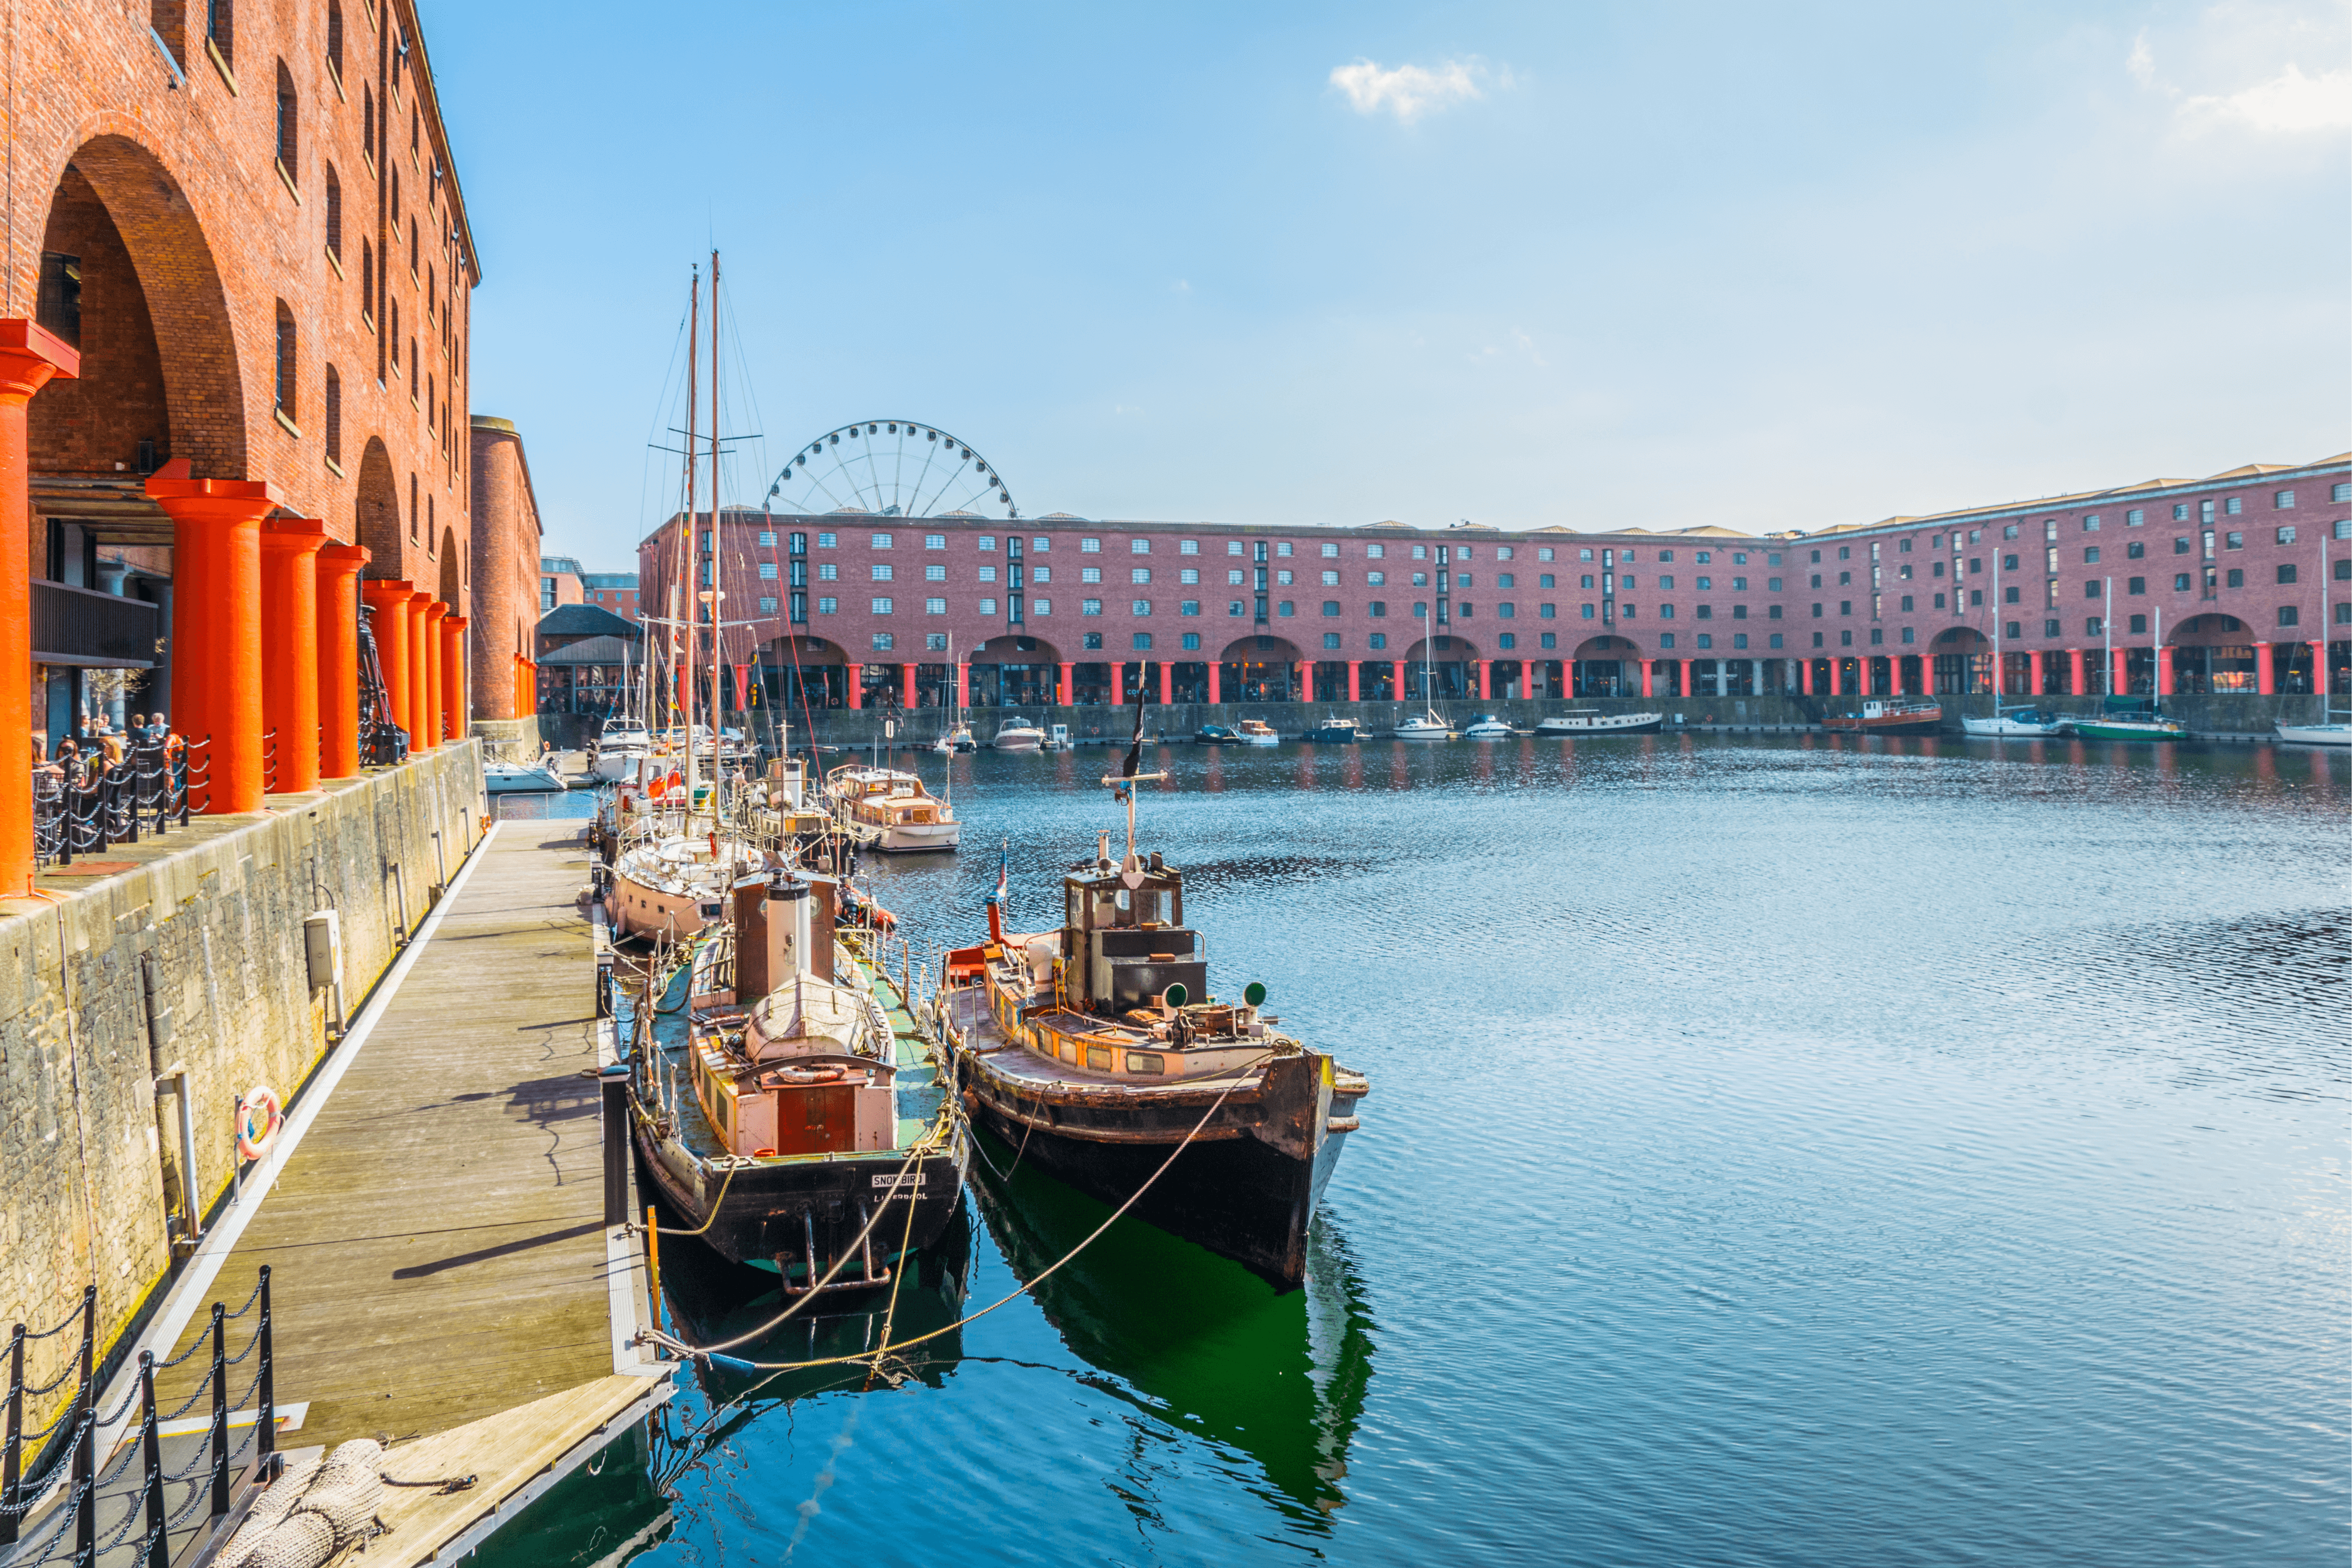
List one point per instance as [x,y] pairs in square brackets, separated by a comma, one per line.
[998,897]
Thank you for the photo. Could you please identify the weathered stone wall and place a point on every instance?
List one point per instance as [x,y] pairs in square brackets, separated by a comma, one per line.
[89,1159]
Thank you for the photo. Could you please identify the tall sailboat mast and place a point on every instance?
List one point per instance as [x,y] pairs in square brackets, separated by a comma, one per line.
[718,609]
[682,647]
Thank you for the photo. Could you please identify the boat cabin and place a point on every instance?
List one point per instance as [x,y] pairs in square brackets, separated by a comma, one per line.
[801,1074]
[1124,946]
[883,796]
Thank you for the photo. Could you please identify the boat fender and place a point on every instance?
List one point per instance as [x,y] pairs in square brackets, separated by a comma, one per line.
[763,1153]
[971,1099]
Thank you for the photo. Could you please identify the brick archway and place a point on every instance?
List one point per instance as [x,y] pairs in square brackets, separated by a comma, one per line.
[378,520]
[193,338]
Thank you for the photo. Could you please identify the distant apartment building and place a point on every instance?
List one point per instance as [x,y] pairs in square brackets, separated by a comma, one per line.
[562,582]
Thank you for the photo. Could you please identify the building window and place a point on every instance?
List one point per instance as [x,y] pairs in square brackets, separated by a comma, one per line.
[1089,606]
[824,541]
[1189,607]
[2287,573]
[1139,607]
[1508,609]
[881,541]
[1378,607]
[1090,547]
[935,642]
[882,641]
[1544,553]
[1139,547]
[1586,615]
[1706,640]
[1143,640]
[1283,549]
[1845,638]
[1234,606]
[1331,607]
[1188,546]
[827,606]
[2180,582]
[2237,577]
[2236,505]
[881,606]
[935,607]
[828,572]
[2288,615]
[1375,552]
[2140,584]
[1138,574]
[987,544]
[1090,574]
[1284,607]
[767,606]
[935,574]
[1739,639]
[880,570]
[1041,607]
[287,362]
[988,607]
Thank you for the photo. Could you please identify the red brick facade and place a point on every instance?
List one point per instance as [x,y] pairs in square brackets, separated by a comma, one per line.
[505,570]
[2231,562]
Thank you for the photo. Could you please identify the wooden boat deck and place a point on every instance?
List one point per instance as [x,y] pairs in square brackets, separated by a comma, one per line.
[436,1243]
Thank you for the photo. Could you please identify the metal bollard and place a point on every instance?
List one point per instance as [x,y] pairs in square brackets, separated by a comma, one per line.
[266,1432]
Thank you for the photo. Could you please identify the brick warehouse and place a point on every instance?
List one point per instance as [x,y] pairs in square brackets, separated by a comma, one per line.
[236,319]
[856,611]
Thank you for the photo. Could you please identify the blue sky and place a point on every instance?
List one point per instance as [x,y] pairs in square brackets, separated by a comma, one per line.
[1650,265]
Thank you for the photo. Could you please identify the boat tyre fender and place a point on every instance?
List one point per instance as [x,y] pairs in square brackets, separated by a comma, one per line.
[810,1074]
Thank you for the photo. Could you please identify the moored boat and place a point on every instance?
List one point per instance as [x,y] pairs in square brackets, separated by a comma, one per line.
[798,1124]
[1487,726]
[1017,734]
[1057,738]
[673,885]
[1428,726]
[1592,721]
[2016,721]
[1335,732]
[1889,715]
[513,778]
[2316,734]
[890,809]
[1214,734]
[959,738]
[1255,732]
[1096,1051]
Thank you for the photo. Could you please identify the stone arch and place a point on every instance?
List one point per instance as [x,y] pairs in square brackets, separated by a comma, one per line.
[1248,651]
[1458,648]
[1612,646]
[377,519]
[1007,650]
[186,306]
[452,589]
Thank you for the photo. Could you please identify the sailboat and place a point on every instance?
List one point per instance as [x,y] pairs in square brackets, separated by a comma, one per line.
[2128,717]
[957,734]
[2328,732]
[1429,726]
[677,848]
[1096,1050]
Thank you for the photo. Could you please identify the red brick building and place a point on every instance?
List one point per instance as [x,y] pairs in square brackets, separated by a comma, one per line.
[851,609]
[505,576]
[234,333]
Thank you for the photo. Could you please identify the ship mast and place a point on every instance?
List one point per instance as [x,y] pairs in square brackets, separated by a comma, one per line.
[682,649]
[717,637]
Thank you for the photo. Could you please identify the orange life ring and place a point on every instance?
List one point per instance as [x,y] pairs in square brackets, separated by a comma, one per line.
[826,1075]
[258,1117]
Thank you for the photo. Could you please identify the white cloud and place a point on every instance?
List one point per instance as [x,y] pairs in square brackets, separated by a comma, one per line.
[1410,91]
[2288,104]
[2237,40]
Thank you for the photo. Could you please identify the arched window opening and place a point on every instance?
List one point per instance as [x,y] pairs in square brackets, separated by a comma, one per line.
[367,284]
[286,360]
[334,214]
[335,39]
[367,120]
[412,508]
[220,30]
[288,142]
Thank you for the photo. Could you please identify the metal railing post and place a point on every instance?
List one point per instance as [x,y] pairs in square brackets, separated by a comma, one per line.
[12,1458]
[219,1437]
[85,1480]
[151,1446]
[266,1433]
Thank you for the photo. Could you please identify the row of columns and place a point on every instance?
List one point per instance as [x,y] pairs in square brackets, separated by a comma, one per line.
[264,628]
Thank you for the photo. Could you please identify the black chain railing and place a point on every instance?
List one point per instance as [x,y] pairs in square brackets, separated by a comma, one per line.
[80,807]
[71,1532]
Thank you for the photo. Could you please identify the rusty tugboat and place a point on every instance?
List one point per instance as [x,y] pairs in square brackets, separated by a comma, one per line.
[1095,1051]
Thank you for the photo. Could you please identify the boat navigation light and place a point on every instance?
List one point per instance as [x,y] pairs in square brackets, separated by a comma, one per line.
[1254,993]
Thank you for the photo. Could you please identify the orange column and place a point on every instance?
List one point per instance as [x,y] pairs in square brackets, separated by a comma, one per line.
[436,704]
[856,683]
[2118,686]
[388,598]
[908,694]
[1355,680]
[2164,672]
[339,659]
[2319,672]
[420,676]
[2073,670]
[290,649]
[29,358]
[1649,669]
[1061,695]
[453,678]
[1484,685]
[1216,682]
[1167,683]
[216,694]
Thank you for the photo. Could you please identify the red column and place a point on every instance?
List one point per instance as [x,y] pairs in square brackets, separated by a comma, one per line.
[216,638]
[2266,663]
[1216,682]
[387,597]
[856,683]
[2075,681]
[437,711]
[2116,685]
[453,678]
[1167,683]
[336,595]
[1062,691]
[908,695]
[1484,685]
[964,686]
[290,649]
[2319,672]
[29,358]
[2164,672]
[1355,680]
[422,735]
[1649,676]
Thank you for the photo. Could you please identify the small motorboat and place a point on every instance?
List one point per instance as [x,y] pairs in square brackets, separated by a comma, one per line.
[1214,734]
[1255,732]
[1017,734]
[890,811]
[956,740]
[612,754]
[1057,738]
[2316,734]
[2017,721]
[1428,726]
[520,778]
[1889,715]
[1592,721]
[1335,732]
[1487,726]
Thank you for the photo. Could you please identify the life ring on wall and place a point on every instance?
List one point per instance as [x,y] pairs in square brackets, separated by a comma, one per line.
[810,1074]
[258,1117]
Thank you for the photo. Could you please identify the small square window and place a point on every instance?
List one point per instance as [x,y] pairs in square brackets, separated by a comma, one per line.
[1329,551]
[1188,546]
[767,539]
[1506,639]
[1143,639]
[988,607]
[1039,547]
[1232,547]
[1378,639]
[824,541]
[2236,505]
[1282,547]
[1140,606]
[1551,640]
[881,541]
[988,544]
[1090,607]
[935,607]
[2135,518]
[1330,639]
[1191,640]
[935,642]
[1090,547]
[1139,547]
[827,606]
[935,541]
[2287,535]
[1707,639]
[881,606]
[1375,552]
[1543,552]
[1091,641]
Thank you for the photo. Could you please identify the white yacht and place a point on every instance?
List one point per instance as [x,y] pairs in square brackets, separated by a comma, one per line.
[1592,721]
[2316,734]
[612,754]
[1487,726]
[2016,721]
[1057,738]
[1017,734]
[673,887]
[956,740]
[1255,732]
[517,778]
[1428,726]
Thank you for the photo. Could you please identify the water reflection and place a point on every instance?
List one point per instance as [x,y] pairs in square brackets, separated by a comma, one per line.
[1198,1342]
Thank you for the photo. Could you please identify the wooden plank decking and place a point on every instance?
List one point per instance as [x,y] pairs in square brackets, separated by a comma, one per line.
[436,1244]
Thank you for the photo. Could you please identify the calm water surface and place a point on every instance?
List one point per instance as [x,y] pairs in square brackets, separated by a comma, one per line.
[1780,1152]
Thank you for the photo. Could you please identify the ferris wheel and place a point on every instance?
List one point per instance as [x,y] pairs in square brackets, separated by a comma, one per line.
[891,468]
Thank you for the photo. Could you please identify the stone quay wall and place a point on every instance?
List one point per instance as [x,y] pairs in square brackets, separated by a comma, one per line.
[90,1177]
